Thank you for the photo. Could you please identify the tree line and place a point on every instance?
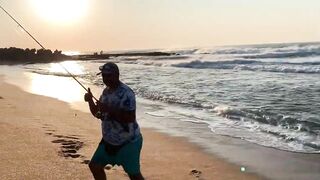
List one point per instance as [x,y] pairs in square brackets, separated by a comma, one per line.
[15,55]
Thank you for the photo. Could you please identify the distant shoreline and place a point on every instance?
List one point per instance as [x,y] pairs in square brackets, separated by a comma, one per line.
[14,56]
[108,55]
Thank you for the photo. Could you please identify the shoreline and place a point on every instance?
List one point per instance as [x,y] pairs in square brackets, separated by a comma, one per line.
[37,139]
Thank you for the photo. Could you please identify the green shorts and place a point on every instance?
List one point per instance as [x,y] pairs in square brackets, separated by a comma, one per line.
[128,156]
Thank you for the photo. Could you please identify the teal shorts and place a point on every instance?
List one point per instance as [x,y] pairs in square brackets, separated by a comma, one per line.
[128,156]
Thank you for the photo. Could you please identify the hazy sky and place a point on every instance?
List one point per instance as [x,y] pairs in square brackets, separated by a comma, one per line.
[87,25]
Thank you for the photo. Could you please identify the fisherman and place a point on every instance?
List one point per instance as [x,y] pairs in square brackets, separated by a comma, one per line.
[121,138]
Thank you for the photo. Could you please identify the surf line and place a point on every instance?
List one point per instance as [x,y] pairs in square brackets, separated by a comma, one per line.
[45,48]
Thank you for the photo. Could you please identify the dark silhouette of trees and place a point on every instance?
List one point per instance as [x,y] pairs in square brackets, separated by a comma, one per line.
[15,55]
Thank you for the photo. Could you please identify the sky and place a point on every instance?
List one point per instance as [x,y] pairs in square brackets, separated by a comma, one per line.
[94,25]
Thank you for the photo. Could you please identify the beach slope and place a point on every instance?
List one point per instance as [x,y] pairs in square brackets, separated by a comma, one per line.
[43,138]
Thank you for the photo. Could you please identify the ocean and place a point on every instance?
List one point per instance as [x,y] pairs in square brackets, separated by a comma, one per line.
[265,94]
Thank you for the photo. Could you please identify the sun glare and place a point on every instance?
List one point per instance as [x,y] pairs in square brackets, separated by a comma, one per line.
[71,53]
[71,66]
[61,11]
[62,88]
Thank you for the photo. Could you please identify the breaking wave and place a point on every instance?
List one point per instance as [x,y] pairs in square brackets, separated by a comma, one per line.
[307,67]
[286,131]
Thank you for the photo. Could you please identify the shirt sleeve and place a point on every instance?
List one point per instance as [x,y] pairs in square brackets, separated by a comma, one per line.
[129,101]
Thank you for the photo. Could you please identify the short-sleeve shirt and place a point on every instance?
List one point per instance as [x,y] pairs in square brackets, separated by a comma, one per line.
[113,131]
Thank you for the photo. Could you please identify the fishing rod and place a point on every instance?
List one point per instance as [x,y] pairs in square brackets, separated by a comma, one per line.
[45,48]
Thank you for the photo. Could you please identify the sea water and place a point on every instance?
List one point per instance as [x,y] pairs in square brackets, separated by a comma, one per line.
[265,94]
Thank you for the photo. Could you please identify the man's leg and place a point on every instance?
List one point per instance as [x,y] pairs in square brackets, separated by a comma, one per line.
[130,159]
[136,177]
[97,171]
[99,160]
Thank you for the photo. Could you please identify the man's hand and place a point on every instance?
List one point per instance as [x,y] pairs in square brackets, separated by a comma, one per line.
[88,96]
[99,105]
[103,107]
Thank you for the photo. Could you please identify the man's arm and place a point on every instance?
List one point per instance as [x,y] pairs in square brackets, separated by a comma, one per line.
[127,116]
[93,107]
[119,114]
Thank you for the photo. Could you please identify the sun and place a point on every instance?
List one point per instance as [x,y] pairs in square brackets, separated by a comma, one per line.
[61,11]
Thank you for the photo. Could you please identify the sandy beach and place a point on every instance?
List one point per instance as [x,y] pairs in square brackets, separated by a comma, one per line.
[43,138]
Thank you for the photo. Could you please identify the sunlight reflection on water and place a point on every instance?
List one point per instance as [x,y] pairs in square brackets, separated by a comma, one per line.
[72,66]
[63,88]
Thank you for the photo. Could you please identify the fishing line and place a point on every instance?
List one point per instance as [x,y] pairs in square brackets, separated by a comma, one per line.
[45,48]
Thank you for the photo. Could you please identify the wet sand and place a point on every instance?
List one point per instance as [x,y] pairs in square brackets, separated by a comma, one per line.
[44,138]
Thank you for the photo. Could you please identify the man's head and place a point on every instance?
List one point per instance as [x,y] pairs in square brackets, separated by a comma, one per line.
[110,74]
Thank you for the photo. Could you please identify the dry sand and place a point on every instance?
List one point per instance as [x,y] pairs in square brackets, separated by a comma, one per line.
[43,138]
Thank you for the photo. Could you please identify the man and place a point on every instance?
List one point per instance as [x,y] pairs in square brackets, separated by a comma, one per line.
[121,138]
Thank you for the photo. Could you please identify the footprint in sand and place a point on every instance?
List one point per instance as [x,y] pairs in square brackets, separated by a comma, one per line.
[48,129]
[69,144]
[69,147]
[46,126]
[195,173]
[51,130]
[86,161]
[68,137]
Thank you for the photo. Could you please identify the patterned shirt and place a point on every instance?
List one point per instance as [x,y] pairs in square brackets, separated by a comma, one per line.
[114,131]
